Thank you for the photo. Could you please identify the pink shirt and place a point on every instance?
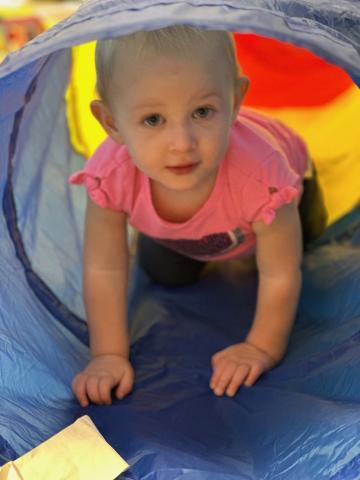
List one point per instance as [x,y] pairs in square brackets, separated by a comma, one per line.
[263,170]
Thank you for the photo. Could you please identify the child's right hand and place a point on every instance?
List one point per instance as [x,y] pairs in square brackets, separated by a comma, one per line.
[102,374]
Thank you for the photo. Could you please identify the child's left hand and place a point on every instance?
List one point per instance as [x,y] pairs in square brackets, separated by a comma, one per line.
[239,364]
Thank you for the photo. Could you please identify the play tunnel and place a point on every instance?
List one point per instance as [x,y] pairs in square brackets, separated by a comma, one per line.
[302,419]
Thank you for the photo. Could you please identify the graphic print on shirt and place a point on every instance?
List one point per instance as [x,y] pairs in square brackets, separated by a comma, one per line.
[208,246]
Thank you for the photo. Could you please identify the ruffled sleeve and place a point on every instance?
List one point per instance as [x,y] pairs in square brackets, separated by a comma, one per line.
[94,187]
[271,186]
[106,177]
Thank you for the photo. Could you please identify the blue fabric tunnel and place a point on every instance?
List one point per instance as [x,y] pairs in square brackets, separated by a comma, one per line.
[302,419]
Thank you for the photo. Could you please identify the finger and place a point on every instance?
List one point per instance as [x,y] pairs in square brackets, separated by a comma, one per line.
[224,379]
[92,389]
[218,368]
[237,380]
[125,385]
[105,386]
[79,388]
[253,376]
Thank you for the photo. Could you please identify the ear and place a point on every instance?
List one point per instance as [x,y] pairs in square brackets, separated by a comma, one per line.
[104,116]
[241,88]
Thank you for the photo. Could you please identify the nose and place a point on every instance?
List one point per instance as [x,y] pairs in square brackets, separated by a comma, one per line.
[182,138]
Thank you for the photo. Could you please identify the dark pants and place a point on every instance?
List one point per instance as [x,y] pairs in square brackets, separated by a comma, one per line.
[169,268]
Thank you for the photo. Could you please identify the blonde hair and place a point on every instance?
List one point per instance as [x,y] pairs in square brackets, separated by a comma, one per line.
[179,40]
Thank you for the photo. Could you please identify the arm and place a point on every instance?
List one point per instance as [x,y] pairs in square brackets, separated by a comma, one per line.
[278,254]
[105,280]
[105,297]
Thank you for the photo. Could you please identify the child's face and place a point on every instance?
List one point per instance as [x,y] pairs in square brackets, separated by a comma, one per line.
[175,115]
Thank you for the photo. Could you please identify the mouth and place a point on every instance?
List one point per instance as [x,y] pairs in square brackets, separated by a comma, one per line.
[183,169]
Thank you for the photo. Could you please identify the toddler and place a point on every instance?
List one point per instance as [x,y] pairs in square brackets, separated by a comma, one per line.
[201,182]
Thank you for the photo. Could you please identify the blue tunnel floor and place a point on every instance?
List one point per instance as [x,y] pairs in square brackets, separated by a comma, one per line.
[301,420]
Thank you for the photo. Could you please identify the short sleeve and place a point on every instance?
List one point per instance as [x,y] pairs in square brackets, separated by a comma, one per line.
[106,177]
[272,185]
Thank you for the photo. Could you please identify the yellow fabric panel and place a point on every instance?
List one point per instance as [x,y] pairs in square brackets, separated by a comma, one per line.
[85,132]
[79,452]
[332,133]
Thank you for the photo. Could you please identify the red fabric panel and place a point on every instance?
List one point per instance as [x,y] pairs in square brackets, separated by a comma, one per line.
[283,75]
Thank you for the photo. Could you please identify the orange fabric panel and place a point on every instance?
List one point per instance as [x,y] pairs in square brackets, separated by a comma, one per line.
[283,75]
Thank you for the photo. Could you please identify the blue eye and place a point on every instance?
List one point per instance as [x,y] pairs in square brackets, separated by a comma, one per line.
[153,120]
[203,112]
